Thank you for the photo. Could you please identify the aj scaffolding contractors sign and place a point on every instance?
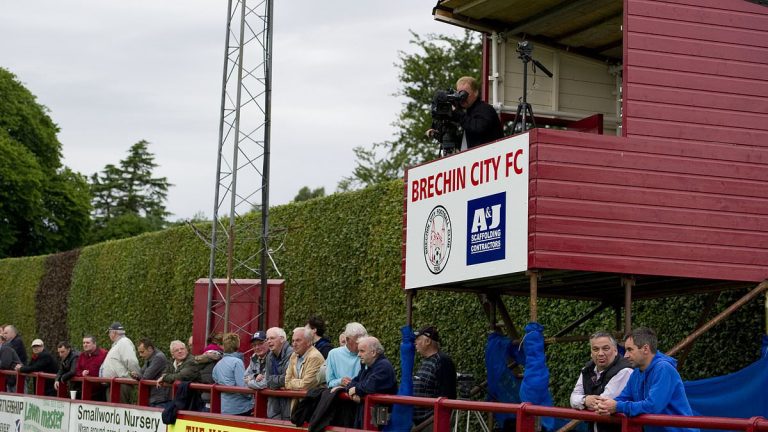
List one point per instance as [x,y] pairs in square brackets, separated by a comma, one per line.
[467,215]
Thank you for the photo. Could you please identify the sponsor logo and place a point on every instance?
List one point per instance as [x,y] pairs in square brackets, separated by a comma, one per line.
[437,239]
[486,227]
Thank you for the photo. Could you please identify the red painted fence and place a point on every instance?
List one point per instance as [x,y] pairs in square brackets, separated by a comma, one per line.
[526,413]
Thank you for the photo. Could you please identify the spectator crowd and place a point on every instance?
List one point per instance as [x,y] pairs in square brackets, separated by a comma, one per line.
[643,381]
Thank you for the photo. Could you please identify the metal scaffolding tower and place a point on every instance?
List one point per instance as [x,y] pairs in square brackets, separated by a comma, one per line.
[242,168]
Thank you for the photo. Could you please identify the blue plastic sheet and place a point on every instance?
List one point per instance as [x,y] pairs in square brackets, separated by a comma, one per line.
[503,386]
[535,386]
[740,394]
[402,415]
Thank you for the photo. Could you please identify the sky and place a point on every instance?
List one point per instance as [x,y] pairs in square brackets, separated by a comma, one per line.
[113,72]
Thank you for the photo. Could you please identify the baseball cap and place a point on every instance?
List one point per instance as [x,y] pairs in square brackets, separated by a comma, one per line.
[428,331]
[116,326]
[37,342]
[259,336]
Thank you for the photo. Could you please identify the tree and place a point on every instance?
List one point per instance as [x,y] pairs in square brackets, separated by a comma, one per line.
[306,194]
[439,63]
[127,199]
[44,206]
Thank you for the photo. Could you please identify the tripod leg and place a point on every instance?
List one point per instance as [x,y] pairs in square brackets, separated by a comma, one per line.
[529,110]
[518,118]
[481,421]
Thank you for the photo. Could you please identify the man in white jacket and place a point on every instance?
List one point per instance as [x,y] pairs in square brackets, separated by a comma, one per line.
[121,361]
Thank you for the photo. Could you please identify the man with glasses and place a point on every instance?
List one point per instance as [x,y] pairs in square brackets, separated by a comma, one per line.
[605,375]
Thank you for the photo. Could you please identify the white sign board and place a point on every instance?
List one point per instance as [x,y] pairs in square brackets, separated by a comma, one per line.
[11,413]
[467,215]
[104,418]
[45,415]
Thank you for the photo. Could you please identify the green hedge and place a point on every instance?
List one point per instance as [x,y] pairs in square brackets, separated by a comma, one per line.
[340,257]
[19,278]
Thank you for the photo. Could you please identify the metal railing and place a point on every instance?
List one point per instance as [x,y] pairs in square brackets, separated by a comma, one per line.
[526,413]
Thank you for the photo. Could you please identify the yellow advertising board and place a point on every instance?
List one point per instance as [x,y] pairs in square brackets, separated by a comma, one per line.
[207,425]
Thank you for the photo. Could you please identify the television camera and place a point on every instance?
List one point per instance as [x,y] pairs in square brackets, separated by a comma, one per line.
[447,130]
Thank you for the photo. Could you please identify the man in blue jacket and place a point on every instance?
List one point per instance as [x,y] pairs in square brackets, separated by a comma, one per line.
[655,386]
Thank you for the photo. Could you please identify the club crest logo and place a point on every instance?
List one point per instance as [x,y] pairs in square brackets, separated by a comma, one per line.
[437,239]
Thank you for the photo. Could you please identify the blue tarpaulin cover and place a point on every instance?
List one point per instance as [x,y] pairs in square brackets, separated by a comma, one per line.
[535,386]
[402,415]
[503,385]
[740,394]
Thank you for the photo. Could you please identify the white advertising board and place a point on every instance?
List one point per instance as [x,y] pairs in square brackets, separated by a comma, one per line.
[45,415]
[103,418]
[467,215]
[11,413]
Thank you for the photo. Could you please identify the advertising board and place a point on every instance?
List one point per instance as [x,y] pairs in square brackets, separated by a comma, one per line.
[105,418]
[467,215]
[11,413]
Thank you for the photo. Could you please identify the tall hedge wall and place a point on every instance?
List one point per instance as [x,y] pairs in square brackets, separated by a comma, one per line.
[340,257]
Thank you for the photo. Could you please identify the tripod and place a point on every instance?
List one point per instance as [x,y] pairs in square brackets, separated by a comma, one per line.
[466,390]
[524,110]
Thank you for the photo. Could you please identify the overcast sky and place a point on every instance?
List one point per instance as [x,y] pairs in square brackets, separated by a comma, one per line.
[113,72]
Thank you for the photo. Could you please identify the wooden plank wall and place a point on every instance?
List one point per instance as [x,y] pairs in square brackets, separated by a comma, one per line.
[696,70]
[646,207]
[584,86]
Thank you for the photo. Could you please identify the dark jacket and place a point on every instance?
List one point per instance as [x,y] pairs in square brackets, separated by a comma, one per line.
[68,367]
[322,408]
[277,407]
[153,368]
[377,378]
[187,371]
[18,345]
[480,122]
[593,386]
[324,346]
[8,361]
[43,362]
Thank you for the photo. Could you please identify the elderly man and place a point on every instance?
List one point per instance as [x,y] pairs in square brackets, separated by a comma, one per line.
[121,360]
[89,363]
[436,376]
[41,361]
[305,361]
[655,386]
[182,368]
[256,374]
[12,339]
[376,376]
[343,364]
[279,356]
[605,375]
[155,363]
[67,364]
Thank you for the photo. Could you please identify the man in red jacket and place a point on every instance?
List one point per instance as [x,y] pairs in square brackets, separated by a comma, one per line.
[88,364]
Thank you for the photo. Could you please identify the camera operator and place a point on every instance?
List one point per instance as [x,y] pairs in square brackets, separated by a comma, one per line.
[478,119]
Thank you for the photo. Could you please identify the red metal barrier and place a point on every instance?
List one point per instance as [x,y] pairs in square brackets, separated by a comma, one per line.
[526,413]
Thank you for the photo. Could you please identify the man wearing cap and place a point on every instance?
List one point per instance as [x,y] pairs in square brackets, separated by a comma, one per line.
[436,376]
[41,361]
[256,374]
[121,360]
